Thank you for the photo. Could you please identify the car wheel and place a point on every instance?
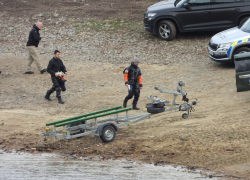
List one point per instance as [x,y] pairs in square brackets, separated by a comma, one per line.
[242,50]
[243,20]
[166,30]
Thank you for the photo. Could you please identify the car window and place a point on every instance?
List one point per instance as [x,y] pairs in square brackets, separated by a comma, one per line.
[198,2]
[179,3]
[246,26]
[226,1]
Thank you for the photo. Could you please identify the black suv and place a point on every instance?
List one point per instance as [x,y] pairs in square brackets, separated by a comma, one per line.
[167,17]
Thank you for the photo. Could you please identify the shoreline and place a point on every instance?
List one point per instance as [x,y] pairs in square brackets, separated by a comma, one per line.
[66,154]
[128,163]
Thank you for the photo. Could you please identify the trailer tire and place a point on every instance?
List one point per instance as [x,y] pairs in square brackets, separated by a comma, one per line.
[152,105]
[155,110]
[108,134]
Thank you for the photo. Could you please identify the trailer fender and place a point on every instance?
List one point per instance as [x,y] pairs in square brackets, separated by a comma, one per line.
[102,126]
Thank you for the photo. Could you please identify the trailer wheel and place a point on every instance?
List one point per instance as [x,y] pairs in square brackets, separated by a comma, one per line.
[108,134]
[155,110]
[185,116]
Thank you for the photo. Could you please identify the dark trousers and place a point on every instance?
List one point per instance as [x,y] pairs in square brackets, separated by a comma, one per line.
[134,91]
[58,85]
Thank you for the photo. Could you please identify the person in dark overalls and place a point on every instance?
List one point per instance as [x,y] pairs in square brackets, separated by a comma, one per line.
[54,68]
[132,77]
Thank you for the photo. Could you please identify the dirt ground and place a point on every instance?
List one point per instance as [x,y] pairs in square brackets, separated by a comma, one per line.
[215,136]
[101,9]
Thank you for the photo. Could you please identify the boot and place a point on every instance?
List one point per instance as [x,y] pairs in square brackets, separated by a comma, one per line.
[29,72]
[58,95]
[48,94]
[135,102]
[42,71]
[125,103]
[60,100]
[135,108]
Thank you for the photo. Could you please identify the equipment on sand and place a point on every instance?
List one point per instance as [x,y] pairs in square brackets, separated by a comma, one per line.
[159,105]
[61,77]
[105,129]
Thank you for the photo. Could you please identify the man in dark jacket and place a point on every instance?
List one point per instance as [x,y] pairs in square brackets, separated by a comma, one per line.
[132,78]
[54,68]
[32,44]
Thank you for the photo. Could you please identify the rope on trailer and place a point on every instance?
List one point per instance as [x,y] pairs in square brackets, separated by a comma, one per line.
[192,109]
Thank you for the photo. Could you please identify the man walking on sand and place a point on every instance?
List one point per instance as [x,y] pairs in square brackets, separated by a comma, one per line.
[54,68]
[32,44]
[132,78]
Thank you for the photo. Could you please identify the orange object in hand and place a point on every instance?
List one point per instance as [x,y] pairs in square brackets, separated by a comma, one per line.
[139,80]
[62,78]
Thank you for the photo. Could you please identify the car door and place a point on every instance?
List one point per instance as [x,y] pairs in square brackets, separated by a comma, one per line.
[246,2]
[242,70]
[225,13]
[197,17]
[246,6]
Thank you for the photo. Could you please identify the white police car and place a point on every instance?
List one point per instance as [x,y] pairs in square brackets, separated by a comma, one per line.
[224,45]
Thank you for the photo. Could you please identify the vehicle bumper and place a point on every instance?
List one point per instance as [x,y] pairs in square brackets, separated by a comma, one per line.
[222,60]
[149,29]
[218,58]
[148,25]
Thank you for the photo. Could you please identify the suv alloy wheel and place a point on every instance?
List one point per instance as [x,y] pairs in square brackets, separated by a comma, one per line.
[166,30]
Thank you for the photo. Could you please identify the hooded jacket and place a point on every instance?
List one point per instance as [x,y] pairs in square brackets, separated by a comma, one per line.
[34,37]
[55,65]
[132,75]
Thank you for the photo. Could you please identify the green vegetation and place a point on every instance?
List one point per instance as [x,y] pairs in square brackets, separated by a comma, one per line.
[230,137]
[92,21]
[111,25]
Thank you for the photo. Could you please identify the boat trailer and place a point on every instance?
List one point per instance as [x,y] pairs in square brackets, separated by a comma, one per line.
[105,129]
